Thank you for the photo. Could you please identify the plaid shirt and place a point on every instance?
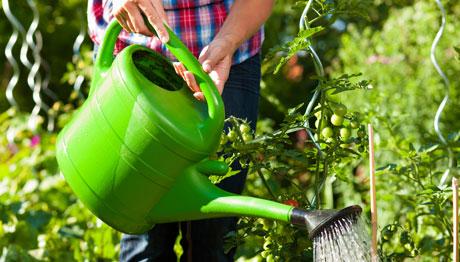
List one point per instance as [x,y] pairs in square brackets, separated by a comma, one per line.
[196,22]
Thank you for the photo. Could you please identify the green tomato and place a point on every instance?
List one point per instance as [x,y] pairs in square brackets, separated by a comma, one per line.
[361,133]
[247,137]
[336,120]
[270,258]
[244,128]
[327,132]
[345,133]
[354,124]
[340,110]
[323,124]
[232,135]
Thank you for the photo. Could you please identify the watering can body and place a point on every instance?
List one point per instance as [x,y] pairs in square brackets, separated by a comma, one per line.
[136,153]
[139,129]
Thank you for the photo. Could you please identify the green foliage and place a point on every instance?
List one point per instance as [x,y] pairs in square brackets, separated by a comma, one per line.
[299,43]
[401,105]
[40,218]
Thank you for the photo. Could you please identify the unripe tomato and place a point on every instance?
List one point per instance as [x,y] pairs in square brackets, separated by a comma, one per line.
[323,123]
[340,110]
[244,128]
[270,258]
[361,133]
[291,202]
[232,135]
[57,106]
[336,120]
[247,137]
[345,133]
[354,124]
[327,132]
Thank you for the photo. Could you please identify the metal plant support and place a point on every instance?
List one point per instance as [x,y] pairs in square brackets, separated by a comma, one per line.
[303,24]
[444,101]
[17,27]
[77,54]
[37,68]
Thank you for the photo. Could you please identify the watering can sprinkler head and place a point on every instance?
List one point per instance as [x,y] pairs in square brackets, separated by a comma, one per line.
[318,221]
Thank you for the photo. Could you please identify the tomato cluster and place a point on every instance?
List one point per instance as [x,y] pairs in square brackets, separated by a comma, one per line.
[334,124]
[240,133]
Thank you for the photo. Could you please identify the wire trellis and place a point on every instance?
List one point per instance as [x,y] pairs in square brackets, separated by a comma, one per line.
[444,101]
[35,66]
[303,24]
[77,54]
[9,53]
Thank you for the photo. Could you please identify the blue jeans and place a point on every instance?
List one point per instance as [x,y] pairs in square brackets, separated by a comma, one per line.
[202,240]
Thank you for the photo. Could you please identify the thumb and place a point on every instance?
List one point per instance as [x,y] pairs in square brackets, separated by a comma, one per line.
[209,57]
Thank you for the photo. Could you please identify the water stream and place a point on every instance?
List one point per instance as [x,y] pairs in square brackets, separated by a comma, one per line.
[346,240]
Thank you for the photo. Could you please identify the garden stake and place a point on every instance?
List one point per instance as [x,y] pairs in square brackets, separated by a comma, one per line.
[372,193]
[455,216]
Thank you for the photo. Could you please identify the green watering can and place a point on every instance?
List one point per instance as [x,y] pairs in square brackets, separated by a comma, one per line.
[136,153]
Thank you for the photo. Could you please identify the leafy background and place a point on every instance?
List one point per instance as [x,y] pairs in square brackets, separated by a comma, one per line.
[388,42]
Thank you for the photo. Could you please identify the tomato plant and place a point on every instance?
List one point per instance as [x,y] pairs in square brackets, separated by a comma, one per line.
[314,160]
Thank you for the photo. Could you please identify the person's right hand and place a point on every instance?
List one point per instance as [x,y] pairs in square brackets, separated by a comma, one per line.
[129,15]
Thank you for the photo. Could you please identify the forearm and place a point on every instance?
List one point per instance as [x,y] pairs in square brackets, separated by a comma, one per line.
[243,21]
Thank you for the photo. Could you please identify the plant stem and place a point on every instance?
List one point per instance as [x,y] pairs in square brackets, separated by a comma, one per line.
[266,183]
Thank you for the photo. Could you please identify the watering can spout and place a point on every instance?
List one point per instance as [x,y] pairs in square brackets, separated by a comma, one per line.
[317,221]
[194,197]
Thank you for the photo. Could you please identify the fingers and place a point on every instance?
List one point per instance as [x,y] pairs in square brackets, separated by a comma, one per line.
[122,16]
[210,56]
[199,96]
[135,18]
[130,15]
[156,16]
[191,82]
[189,78]
[204,54]
[180,69]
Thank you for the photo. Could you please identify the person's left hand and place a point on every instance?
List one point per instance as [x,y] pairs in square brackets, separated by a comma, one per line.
[216,59]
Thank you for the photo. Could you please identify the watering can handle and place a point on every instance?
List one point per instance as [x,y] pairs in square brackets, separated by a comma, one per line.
[105,59]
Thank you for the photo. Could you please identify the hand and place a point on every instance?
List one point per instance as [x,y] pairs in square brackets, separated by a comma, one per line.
[129,14]
[216,59]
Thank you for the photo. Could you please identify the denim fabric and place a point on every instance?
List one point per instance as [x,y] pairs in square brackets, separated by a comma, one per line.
[241,98]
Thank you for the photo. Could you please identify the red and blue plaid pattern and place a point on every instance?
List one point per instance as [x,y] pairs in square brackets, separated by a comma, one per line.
[196,22]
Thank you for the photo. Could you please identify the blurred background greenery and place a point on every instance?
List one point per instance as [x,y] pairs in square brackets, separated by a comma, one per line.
[40,218]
